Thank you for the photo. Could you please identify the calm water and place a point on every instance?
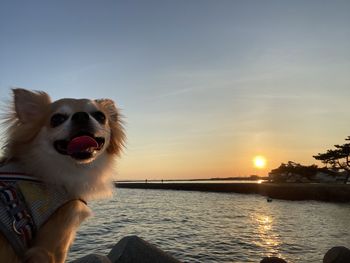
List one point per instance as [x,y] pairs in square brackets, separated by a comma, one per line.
[216,227]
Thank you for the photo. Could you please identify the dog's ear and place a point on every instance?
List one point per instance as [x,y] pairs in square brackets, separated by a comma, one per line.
[109,107]
[30,106]
[117,141]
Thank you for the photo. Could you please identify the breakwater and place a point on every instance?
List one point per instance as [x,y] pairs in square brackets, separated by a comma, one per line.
[286,191]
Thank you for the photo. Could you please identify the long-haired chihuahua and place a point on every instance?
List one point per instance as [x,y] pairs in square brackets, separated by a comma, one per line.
[56,157]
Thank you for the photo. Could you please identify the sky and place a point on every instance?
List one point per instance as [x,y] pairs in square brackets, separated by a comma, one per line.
[204,85]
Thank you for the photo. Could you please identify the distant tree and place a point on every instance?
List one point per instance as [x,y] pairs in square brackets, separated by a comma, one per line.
[337,159]
[254,177]
[291,169]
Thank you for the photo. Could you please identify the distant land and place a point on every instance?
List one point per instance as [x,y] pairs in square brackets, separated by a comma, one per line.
[239,178]
[286,191]
[235,178]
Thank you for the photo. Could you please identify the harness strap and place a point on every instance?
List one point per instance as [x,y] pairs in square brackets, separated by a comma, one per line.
[22,224]
[26,204]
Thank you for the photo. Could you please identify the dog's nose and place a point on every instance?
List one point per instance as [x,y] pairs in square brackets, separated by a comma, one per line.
[80,117]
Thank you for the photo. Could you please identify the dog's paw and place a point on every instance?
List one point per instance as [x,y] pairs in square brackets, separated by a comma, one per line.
[38,255]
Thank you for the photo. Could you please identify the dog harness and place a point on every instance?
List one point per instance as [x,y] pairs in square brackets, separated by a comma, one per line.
[25,205]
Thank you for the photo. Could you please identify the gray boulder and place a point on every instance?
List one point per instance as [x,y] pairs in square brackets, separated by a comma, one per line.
[133,249]
[337,255]
[92,258]
[272,260]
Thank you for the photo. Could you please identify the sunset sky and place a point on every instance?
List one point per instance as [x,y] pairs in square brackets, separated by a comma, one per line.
[204,85]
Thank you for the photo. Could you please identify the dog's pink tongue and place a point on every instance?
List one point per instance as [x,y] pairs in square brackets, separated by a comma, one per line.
[82,144]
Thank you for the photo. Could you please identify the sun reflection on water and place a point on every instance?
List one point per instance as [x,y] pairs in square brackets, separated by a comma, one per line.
[266,236]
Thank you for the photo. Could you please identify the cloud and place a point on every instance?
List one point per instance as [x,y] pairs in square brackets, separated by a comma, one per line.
[172,93]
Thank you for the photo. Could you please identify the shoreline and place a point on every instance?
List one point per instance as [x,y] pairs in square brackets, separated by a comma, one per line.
[284,191]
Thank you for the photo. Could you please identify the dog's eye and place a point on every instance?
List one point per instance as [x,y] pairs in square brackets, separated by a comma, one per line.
[99,116]
[57,119]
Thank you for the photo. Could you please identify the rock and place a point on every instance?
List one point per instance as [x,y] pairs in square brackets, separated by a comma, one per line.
[272,260]
[92,258]
[133,249]
[337,255]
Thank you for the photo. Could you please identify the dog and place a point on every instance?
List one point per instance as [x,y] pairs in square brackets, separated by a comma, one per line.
[56,155]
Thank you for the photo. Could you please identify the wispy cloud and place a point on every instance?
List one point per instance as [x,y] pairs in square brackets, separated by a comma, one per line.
[172,93]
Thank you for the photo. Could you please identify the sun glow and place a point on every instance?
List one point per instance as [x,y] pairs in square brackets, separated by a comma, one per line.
[259,162]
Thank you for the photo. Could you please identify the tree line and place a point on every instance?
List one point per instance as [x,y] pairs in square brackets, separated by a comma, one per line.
[336,161]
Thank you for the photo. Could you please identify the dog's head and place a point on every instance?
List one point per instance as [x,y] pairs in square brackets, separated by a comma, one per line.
[63,137]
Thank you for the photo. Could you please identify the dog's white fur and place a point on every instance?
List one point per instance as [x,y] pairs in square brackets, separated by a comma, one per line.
[29,147]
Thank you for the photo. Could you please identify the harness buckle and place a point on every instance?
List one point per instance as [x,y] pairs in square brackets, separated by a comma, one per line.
[27,218]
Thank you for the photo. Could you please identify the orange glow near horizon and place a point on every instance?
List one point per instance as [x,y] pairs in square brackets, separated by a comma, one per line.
[169,162]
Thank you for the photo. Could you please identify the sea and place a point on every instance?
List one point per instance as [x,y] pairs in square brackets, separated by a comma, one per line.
[215,227]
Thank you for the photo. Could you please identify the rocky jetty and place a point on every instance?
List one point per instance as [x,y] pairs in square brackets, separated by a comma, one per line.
[285,191]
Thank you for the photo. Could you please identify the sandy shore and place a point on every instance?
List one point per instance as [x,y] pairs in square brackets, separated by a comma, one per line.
[320,192]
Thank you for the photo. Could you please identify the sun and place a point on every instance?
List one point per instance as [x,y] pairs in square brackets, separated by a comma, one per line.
[259,162]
